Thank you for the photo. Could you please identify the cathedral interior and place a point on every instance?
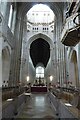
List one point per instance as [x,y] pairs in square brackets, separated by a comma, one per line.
[40,59]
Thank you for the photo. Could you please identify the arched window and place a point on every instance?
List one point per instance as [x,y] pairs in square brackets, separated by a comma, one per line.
[40,72]
[10,16]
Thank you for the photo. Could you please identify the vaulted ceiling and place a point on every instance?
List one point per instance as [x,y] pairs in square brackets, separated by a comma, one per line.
[40,49]
[40,52]
[56,7]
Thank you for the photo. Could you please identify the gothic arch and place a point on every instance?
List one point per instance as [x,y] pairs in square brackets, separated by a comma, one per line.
[33,41]
[40,35]
[54,6]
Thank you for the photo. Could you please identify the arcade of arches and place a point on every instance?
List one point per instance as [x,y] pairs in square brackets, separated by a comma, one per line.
[40,59]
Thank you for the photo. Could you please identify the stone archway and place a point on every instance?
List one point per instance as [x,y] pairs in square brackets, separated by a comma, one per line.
[74,69]
[40,35]
[40,52]
[43,36]
[5,66]
[28,63]
[54,6]
[24,8]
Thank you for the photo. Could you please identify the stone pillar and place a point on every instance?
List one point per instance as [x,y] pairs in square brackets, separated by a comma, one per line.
[58,65]
[18,48]
[14,72]
[56,61]
[11,78]
[66,65]
[60,69]
[63,68]
[79,62]
[51,57]
[15,56]
[79,54]
[1,39]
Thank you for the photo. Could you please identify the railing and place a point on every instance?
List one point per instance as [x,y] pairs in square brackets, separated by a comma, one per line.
[69,25]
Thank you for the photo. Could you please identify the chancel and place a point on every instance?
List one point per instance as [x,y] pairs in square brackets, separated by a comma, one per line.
[40,59]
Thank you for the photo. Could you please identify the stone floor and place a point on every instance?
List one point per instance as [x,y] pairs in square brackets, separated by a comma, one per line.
[37,106]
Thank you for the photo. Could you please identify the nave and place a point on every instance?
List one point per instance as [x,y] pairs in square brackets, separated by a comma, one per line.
[35,102]
[40,52]
[37,106]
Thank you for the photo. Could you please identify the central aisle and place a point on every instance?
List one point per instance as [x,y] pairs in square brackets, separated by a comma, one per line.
[37,106]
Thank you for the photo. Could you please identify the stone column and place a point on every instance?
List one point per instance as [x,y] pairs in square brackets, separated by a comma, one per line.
[79,62]
[51,57]
[18,48]
[66,65]
[63,68]
[19,51]
[12,64]
[56,61]
[1,39]
[14,55]
[11,78]
[60,67]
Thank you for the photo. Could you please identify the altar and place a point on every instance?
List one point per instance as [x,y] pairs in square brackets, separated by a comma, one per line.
[38,89]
